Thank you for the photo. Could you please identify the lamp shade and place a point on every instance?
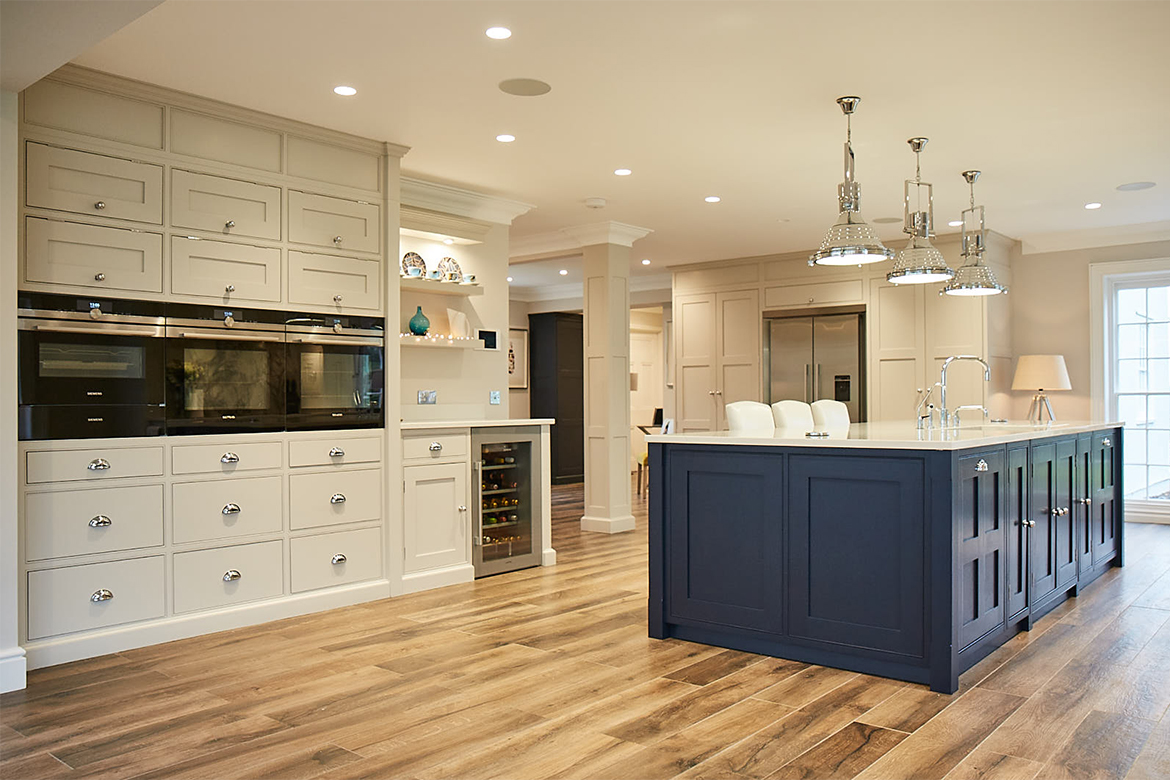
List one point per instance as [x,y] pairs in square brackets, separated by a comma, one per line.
[1041,372]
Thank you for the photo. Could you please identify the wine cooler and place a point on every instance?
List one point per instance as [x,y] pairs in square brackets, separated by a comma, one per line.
[507,513]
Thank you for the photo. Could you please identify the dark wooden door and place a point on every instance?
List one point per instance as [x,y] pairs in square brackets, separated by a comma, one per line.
[1083,501]
[725,545]
[1105,516]
[1016,519]
[1042,498]
[1065,518]
[980,544]
[855,573]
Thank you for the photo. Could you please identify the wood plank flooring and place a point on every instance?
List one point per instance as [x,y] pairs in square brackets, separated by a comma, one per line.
[548,673]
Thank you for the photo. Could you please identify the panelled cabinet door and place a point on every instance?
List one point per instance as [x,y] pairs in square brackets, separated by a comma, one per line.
[226,272]
[93,184]
[694,327]
[738,343]
[1016,518]
[1066,525]
[437,518]
[1103,511]
[89,256]
[341,282]
[228,206]
[982,541]
[1082,502]
[347,225]
[1042,531]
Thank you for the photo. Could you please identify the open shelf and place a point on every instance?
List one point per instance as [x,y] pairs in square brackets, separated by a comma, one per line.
[436,287]
[410,340]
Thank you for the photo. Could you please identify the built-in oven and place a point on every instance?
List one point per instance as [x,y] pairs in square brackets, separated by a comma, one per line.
[89,367]
[224,369]
[334,372]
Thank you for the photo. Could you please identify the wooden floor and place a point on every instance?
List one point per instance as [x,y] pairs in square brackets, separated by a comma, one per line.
[548,673]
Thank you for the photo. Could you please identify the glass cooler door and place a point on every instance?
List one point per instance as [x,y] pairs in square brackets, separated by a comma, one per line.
[507,522]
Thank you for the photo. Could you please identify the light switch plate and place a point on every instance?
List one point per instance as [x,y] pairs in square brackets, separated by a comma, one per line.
[494,397]
[428,396]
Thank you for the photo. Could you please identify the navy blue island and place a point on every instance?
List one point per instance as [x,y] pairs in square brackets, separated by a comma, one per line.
[881,548]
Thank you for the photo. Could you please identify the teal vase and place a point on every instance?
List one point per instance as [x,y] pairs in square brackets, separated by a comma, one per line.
[419,324]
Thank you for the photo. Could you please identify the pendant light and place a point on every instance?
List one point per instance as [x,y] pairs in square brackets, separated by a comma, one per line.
[973,277]
[919,262]
[850,241]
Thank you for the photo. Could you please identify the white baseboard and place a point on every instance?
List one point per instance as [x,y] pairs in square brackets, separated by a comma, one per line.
[607,525]
[548,557]
[1147,512]
[437,578]
[63,649]
[12,669]
[1145,517]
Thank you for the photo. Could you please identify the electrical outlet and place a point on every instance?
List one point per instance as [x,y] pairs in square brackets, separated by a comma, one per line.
[494,397]
[428,396]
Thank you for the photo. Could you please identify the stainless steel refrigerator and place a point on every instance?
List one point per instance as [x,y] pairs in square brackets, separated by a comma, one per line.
[817,357]
[507,519]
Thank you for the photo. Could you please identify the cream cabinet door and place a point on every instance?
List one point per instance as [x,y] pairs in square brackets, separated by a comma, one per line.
[226,272]
[94,184]
[897,352]
[954,326]
[341,282]
[229,206]
[205,579]
[694,329]
[334,498]
[342,224]
[437,516]
[80,598]
[81,522]
[88,256]
[328,560]
[738,324]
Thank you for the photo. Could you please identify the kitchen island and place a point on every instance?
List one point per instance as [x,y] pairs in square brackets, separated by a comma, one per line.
[879,548]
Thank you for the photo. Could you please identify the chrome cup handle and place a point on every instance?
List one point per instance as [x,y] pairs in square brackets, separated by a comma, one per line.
[99,464]
[100,595]
[100,521]
[229,457]
[336,452]
[231,575]
[230,509]
[337,498]
[339,559]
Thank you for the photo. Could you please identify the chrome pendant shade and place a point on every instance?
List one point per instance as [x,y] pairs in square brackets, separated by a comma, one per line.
[850,241]
[973,278]
[919,262]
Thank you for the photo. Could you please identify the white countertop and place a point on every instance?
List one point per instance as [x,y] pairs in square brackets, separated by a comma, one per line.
[892,435]
[421,425]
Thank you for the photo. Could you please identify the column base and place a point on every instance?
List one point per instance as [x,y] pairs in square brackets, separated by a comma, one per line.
[608,525]
[13,667]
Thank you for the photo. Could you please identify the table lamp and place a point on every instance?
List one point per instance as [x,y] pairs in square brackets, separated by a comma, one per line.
[1041,373]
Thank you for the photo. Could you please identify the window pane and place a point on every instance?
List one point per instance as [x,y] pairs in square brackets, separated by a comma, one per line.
[1135,481]
[1158,376]
[1158,339]
[1135,446]
[1158,448]
[1131,409]
[1159,303]
[1131,305]
[1159,412]
[1129,341]
[1131,376]
[1159,483]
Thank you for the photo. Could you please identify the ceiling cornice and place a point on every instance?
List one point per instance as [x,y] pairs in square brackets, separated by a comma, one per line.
[446,199]
[568,240]
[1118,235]
[595,233]
[556,292]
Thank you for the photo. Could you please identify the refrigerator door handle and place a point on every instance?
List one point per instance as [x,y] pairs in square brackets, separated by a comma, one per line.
[477,466]
[817,383]
[807,380]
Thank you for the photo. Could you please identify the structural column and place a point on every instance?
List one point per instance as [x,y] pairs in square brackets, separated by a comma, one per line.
[606,269]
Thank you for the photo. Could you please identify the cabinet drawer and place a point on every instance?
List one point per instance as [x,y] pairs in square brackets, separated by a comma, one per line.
[324,280]
[228,206]
[226,272]
[206,578]
[100,257]
[80,522]
[326,560]
[822,294]
[107,463]
[225,458]
[335,452]
[225,508]
[451,446]
[94,184]
[333,222]
[60,601]
[334,498]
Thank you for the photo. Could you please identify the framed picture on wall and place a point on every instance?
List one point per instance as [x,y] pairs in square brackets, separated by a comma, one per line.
[518,358]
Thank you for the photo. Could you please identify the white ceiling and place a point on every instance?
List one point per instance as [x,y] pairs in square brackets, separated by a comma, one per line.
[1057,103]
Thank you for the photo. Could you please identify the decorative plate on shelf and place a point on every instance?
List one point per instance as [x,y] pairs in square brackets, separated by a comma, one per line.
[449,265]
[413,260]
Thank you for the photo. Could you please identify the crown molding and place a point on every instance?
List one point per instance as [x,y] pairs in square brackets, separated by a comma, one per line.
[568,241]
[554,243]
[1093,238]
[446,199]
[556,292]
[440,226]
[606,233]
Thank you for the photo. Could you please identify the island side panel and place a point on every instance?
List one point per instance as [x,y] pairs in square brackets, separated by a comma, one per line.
[655,492]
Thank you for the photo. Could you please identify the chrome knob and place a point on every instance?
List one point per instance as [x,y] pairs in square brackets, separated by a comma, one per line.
[229,321]
[231,288]
[336,452]
[100,521]
[231,223]
[337,299]
[1108,442]
[101,204]
[337,327]
[337,239]
[231,575]
[337,498]
[230,509]
[1031,523]
[96,313]
[99,464]
[229,457]
[435,447]
[101,594]
[99,277]
[981,465]
[1085,501]
[339,559]
[462,509]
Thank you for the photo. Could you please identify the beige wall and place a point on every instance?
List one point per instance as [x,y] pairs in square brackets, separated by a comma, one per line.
[462,377]
[1050,315]
[518,400]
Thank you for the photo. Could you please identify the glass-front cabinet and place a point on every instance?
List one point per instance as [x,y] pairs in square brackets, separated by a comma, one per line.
[506,534]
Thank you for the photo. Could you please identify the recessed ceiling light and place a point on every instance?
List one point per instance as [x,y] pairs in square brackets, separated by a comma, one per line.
[1092,206]
[1134,186]
[712,198]
[344,90]
[524,87]
[622,172]
[645,262]
[887,220]
[448,241]
[956,223]
[563,272]
[505,138]
[509,278]
[498,33]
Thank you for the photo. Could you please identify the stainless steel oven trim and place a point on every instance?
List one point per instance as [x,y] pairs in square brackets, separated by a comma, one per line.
[207,334]
[341,341]
[221,326]
[322,330]
[88,317]
[90,328]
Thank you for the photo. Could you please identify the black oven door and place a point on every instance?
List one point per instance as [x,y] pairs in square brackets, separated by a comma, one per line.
[224,382]
[65,363]
[334,382]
